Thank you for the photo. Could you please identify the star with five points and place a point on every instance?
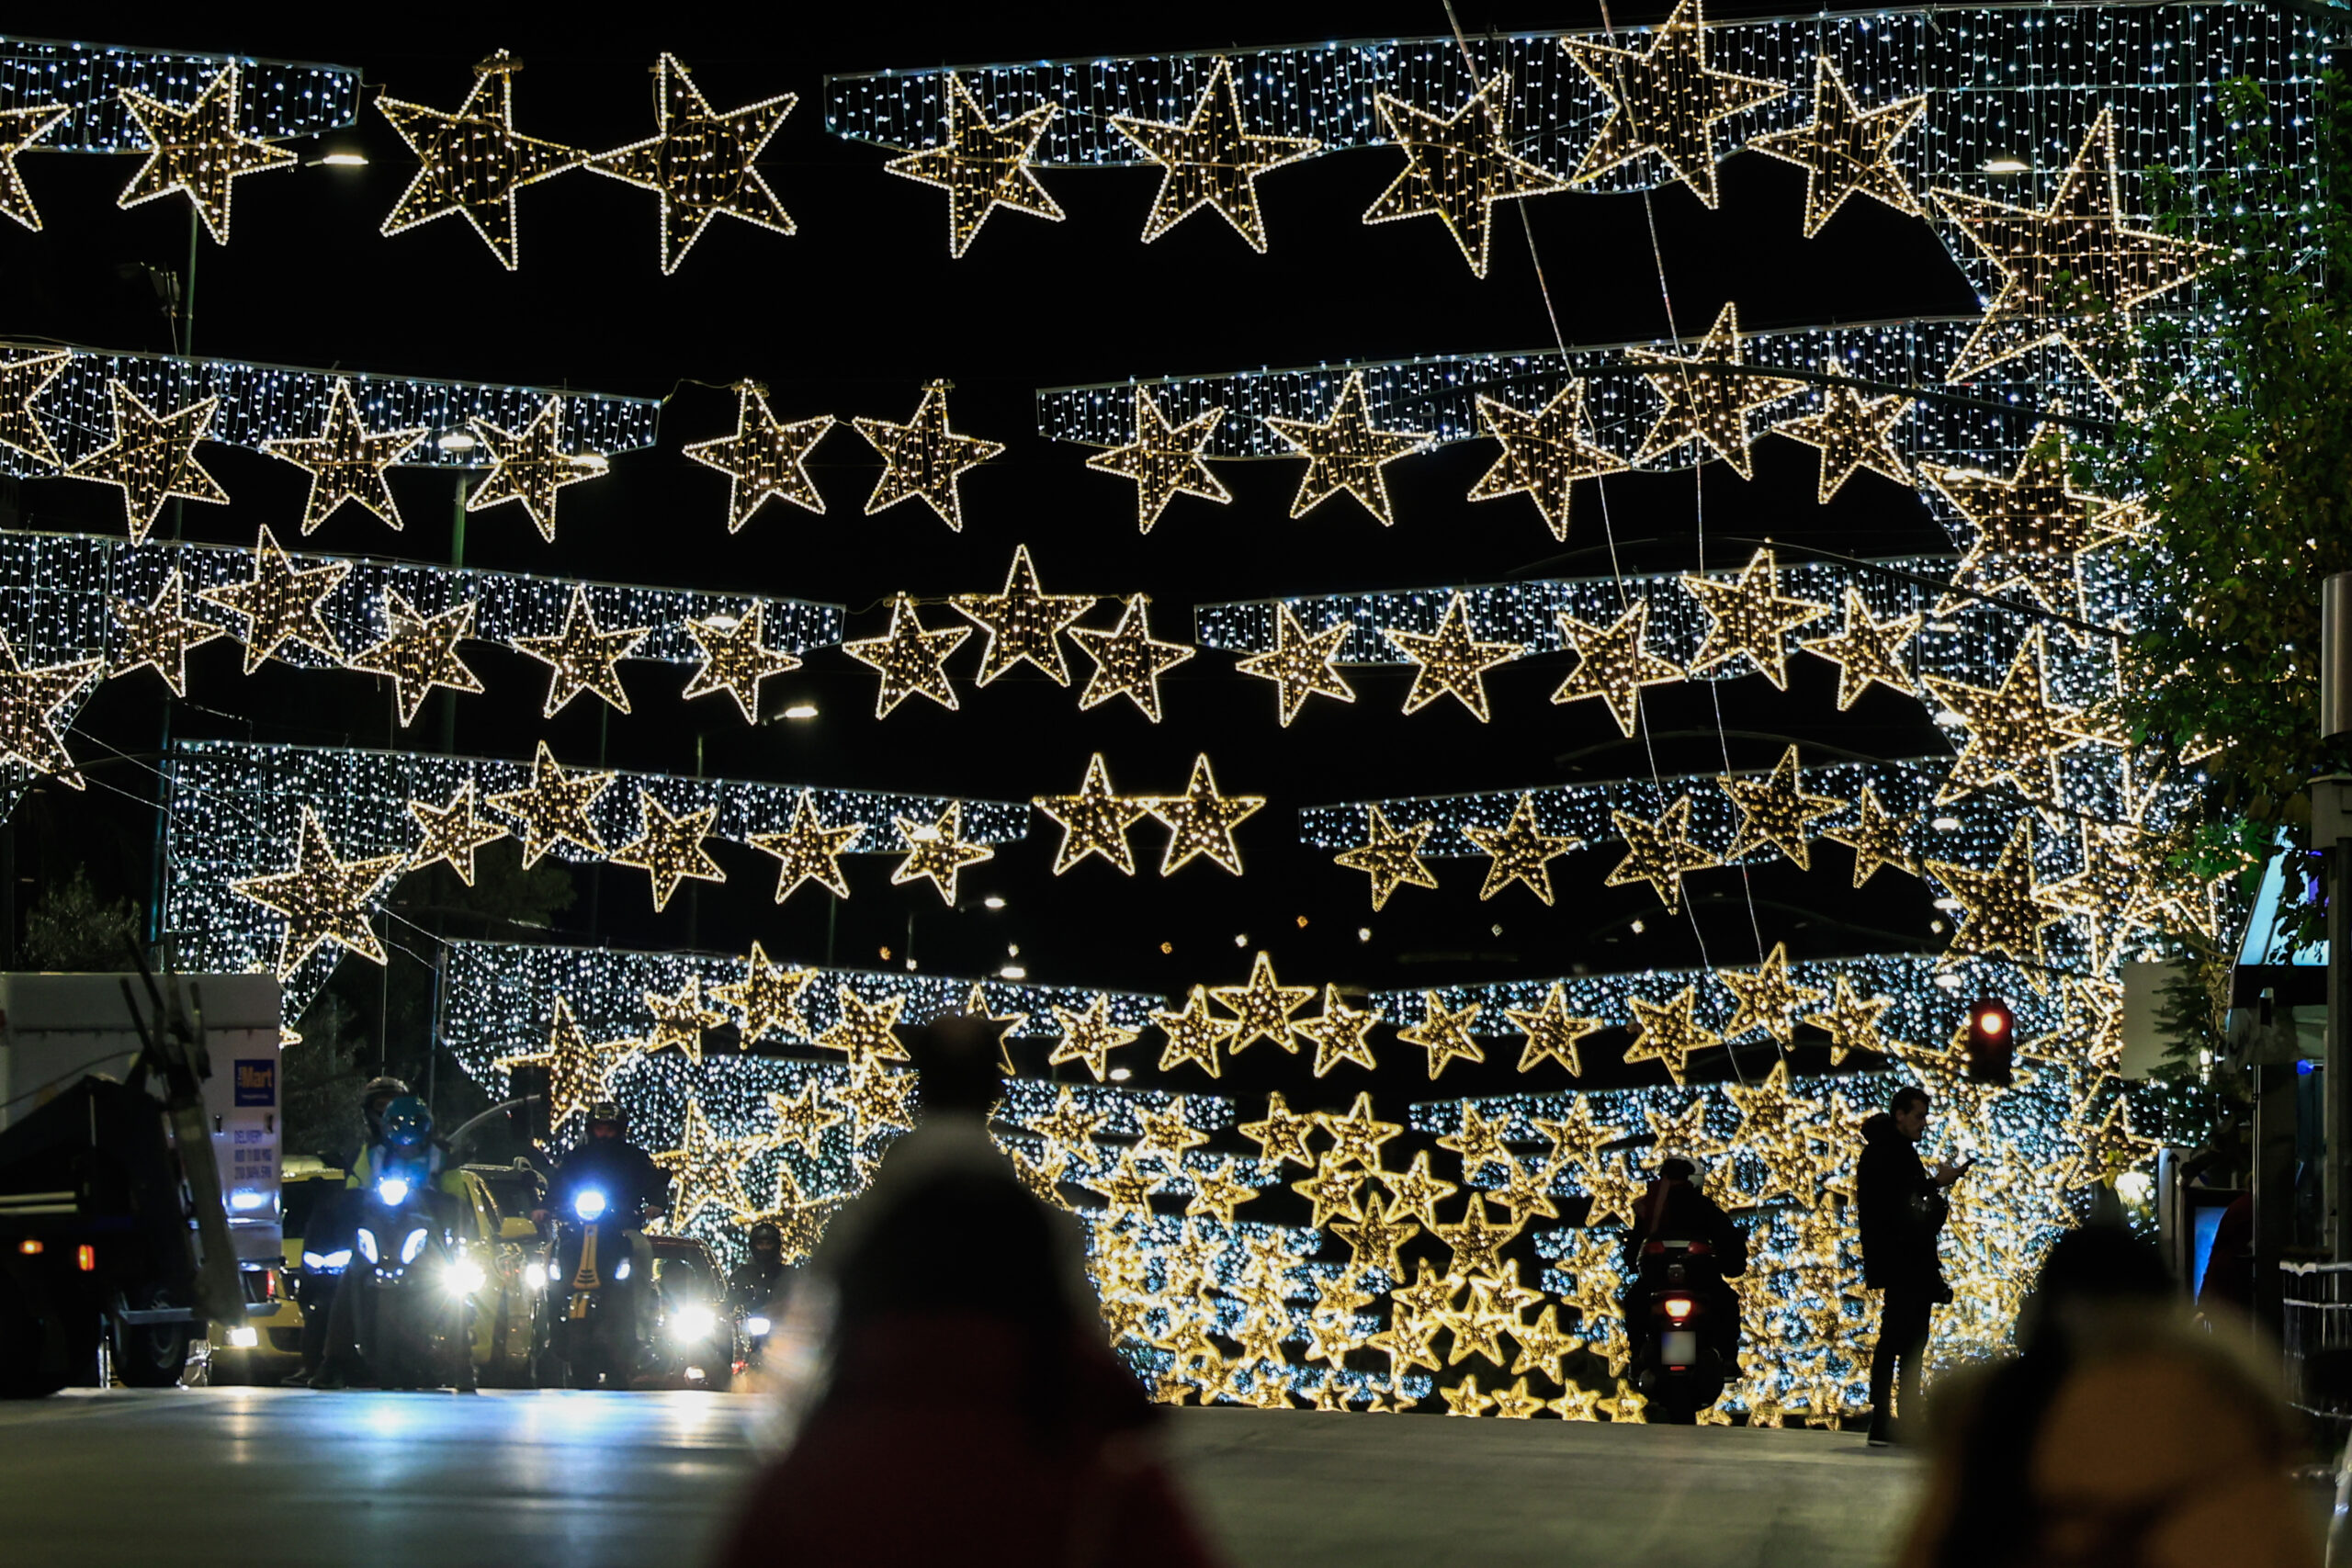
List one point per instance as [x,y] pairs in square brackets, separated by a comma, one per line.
[419,653]
[1415,1190]
[1577,1138]
[1346,452]
[1613,663]
[2002,909]
[1553,1032]
[1263,1007]
[707,1167]
[1477,1241]
[1165,461]
[701,162]
[1068,1126]
[323,897]
[346,461]
[1667,1034]
[26,373]
[1665,100]
[452,833]
[471,161]
[680,1020]
[1201,822]
[981,165]
[1331,1193]
[1445,1035]
[553,807]
[280,603]
[801,1118]
[578,1071]
[1451,660]
[1390,856]
[1209,160]
[1544,453]
[2032,529]
[1850,1020]
[878,1098]
[736,658]
[1128,661]
[1876,836]
[1712,405]
[1749,616]
[1542,1346]
[1283,1134]
[1005,1024]
[151,458]
[529,466]
[863,1030]
[922,459]
[1339,1033]
[2016,734]
[28,703]
[768,995]
[1865,649]
[1358,1136]
[1660,852]
[1852,432]
[1377,1241]
[1769,999]
[669,849]
[937,852]
[1846,150]
[764,460]
[1527,1190]
[1024,622]
[1090,1036]
[157,635]
[910,659]
[19,128]
[1477,1140]
[1457,166]
[1300,666]
[583,657]
[1194,1033]
[198,148]
[1775,810]
[809,851]
[1095,821]
[1520,850]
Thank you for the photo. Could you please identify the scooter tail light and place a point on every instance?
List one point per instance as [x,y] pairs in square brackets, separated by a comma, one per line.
[1679,1308]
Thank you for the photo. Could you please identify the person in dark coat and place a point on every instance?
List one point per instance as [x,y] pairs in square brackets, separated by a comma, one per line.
[1901,1210]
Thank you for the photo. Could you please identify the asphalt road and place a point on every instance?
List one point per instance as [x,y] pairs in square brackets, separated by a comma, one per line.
[195,1477]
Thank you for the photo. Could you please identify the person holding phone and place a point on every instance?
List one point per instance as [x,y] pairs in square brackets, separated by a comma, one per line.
[1901,1210]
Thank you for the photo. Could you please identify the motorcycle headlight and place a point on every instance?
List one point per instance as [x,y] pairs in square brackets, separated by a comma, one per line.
[620,1271]
[393,1191]
[367,1245]
[413,1245]
[463,1278]
[757,1328]
[534,1275]
[591,1204]
[312,1260]
[339,1259]
[692,1323]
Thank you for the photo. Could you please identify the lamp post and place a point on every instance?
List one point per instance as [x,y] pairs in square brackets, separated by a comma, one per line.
[2332,835]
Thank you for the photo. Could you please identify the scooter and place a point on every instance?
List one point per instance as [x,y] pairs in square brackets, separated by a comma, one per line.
[416,1290]
[1676,1365]
[595,1335]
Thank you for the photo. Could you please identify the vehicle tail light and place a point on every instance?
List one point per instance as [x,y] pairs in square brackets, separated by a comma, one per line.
[85,1258]
[1679,1308]
[32,1247]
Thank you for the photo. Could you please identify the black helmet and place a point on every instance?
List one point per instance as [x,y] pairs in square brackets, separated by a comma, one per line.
[607,1112]
[765,1237]
[408,1124]
[384,1088]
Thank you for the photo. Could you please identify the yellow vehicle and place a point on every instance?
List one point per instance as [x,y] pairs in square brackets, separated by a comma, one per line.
[305,1183]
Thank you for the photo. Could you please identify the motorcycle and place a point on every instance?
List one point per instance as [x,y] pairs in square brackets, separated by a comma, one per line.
[418,1290]
[1677,1365]
[595,1340]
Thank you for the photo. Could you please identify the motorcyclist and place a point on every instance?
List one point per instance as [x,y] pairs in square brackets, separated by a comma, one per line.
[401,1138]
[1674,1209]
[331,1225]
[635,1191]
[753,1287]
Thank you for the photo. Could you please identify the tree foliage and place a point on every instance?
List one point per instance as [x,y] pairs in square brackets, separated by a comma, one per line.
[70,929]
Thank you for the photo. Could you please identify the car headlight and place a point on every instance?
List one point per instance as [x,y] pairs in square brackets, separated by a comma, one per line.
[757,1328]
[413,1245]
[367,1245]
[620,1270]
[692,1322]
[244,1339]
[590,1205]
[534,1275]
[393,1191]
[463,1278]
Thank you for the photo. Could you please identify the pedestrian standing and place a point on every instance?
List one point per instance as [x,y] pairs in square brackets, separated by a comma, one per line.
[1901,1213]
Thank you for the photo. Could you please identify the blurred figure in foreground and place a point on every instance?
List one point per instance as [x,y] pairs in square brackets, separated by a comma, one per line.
[2119,1435]
[964,1407]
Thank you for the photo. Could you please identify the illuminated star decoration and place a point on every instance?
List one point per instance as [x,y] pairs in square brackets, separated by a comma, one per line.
[1852,432]
[1552,1033]
[28,703]
[1095,821]
[669,849]
[1769,999]
[25,374]
[1339,1033]
[1451,660]
[1865,650]
[583,657]
[198,150]
[1710,406]
[2016,734]
[346,461]
[1520,852]
[1667,1034]
[679,1022]
[1346,452]
[922,457]
[577,1073]
[768,995]
[701,162]
[1665,100]
[801,1118]
[765,458]
[2002,911]
[1457,166]
[1300,666]
[937,852]
[151,457]
[1846,150]
[2032,528]
[910,660]
[1005,1024]
[1164,460]
[1025,623]
[452,833]
[323,898]
[2071,273]
[1544,454]
[280,603]
[866,1032]
[1851,1021]
[736,658]
[1774,810]
[1262,1009]
[157,636]
[19,128]
[1194,1033]
[707,1167]
[1090,1037]
[1209,160]
[1201,821]
[553,807]
[471,161]
[1390,856]
[1749,616]
[1444,1035]
[531,467]
[1613,664]
[420,652]
[809,851]
[1877,837]
[981,166]
[1128,661]
[1660,852]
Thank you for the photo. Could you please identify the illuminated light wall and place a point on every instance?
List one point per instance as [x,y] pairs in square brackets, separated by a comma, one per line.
[279,99]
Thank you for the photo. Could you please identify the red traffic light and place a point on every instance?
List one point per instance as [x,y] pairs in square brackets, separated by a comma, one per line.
[1992,1030]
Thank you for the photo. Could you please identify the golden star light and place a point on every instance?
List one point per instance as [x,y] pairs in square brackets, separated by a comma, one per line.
[553,807]
[323,899]
[2002,909]
[937,852]
[1876,836]
[1866,650]
[1749,617]
[1210,160]
[1845,150]
[472,161]
[1299,665]
[577,1074]
[1164,460]
[669,849]
[680,1020]
[452,833]
[1339,1033]
[765,458]
[1390,856]
[1850,1020]
[25,374]
[151,457]
[1128,661]
[529,466]
[1613,664]
[1852,432]
[419,653]
[157,636]
[1665,100]
[1005,1024]
[801,1118]
[768,995]
[1476,1142]
[346,461]
[809,851]
[1415,1191]
[280,603]
[1444,1035]
[1331,1194]
[1660,852]
[1669,1035]
[2032,528]
[1194,1033]
[1024,622]
[866,1032]
[1451,660]
[981,165]
[1769,999]
[1090,1037]
[1346,452]
[2016,734]
[922,459]
[583,657]
[1552,1033]
[701,162]
[1201,821]
[19,128]
[910,660]
[736,659]
[1520,852]
[1477,1241]
[1457,166]
[1775,810]
[1544,453]
[707,1169]
[1263,1007]
[878,1098]
[28,703]
[1095,821]
[196,148]
[1710,406]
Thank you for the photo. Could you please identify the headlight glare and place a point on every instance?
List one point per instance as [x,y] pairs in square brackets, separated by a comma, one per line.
[393,1191]
[590,1205]
[534,1275]
[411,1245]
[692,1322]
[463,1278]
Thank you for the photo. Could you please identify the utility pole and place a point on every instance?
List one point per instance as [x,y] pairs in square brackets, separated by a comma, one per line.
[2332,835]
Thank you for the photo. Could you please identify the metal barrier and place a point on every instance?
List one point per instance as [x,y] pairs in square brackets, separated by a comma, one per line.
[2315,1328]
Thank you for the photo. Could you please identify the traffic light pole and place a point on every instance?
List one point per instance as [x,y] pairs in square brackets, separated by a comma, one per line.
[2332,833]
